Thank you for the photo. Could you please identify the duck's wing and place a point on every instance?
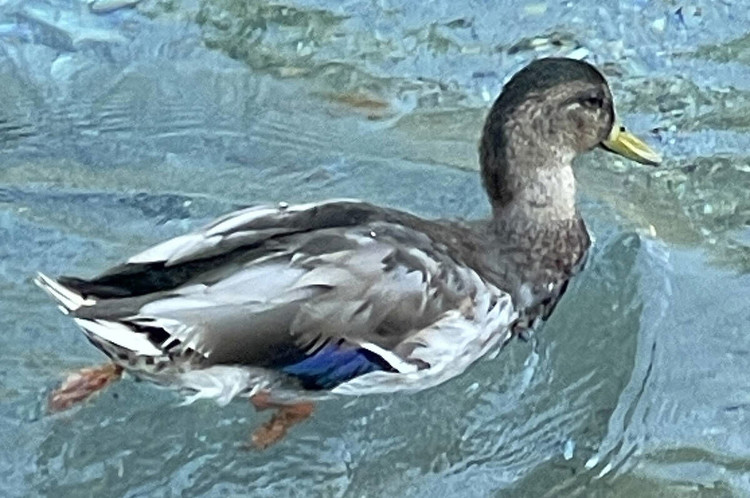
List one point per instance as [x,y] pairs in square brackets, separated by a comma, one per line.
[324,292]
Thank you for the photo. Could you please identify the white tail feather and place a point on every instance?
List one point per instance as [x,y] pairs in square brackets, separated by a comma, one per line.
[119,335]
[69,299]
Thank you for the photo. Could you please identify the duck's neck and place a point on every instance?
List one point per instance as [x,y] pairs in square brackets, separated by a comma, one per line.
[540,199]
[529,180]
[533,193]
[536,220]
[537,237]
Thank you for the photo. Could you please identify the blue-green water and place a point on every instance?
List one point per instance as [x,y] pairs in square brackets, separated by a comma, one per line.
[121,129]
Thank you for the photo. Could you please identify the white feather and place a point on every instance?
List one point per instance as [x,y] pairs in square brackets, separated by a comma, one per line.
[119,335]
[220,383]
[187,252]
[393,360]
[449,346]
[165,250]
[184,247]
[233,221]
[238,219]
[70,300]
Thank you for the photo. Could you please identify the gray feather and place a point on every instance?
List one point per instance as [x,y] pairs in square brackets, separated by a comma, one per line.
[279,282]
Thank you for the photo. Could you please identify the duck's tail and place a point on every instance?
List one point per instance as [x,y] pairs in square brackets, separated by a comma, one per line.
[116,339]
[68,299]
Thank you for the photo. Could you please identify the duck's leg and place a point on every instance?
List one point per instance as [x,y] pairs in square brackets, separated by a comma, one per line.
[82,384]
[286,416]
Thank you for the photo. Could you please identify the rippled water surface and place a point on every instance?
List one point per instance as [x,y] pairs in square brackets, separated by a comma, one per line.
[123,126]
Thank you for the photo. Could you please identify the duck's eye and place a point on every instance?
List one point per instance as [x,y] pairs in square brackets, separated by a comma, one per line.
[593,102]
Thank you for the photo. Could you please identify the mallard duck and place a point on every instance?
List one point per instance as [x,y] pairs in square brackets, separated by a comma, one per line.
[292,303]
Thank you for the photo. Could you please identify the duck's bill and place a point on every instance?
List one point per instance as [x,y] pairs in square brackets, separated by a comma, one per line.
[622,142]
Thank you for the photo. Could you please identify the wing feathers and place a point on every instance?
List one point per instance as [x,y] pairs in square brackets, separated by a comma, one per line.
[271,286]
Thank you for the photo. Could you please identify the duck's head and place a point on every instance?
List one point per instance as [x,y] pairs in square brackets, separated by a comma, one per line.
[547,114]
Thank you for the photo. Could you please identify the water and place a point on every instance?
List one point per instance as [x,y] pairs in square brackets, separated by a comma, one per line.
[121,129]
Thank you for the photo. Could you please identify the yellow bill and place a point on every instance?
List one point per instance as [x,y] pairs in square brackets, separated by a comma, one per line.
[622,142]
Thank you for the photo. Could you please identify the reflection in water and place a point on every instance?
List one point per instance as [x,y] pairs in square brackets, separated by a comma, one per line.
[123,129]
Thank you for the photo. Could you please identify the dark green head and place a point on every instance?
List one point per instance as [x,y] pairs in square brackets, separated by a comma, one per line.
[548,113]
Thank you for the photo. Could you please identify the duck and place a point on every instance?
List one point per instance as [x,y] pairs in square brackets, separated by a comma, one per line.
[292,304]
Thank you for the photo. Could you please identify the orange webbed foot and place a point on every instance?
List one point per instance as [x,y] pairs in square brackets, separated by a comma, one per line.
[286,416]
[81,385]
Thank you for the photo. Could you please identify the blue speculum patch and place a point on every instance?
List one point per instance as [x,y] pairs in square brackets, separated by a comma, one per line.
[334,364]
